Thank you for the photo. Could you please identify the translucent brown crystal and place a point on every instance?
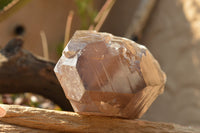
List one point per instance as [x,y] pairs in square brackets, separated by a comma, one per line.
[102,74]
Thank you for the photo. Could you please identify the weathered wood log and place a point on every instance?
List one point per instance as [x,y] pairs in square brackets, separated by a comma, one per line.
[72,122]
[21,71]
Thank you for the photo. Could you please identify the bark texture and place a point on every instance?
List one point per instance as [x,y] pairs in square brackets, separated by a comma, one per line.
[20,72]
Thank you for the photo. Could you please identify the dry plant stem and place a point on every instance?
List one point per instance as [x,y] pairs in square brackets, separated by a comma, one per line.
[101,12]
[68,27]
[11,8]
[20,72]
[104,15]
[91,27]
[44,45]
[101,21]
[140,18]
[10,5]
[61,121]
[101,16]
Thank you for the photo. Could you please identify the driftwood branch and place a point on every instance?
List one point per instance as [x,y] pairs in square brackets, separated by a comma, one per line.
[20,72]
[72,122]
[140,18]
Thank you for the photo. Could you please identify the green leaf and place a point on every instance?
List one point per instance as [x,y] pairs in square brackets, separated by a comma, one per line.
[86,12]
[60,48]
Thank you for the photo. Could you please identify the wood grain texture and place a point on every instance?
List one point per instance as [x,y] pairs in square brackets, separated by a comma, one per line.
[72,122]
[9,128]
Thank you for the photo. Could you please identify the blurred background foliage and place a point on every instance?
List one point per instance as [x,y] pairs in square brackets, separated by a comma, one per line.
[4,3]
[86,13]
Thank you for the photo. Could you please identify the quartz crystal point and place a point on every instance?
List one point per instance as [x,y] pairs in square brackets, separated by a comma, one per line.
[102,74]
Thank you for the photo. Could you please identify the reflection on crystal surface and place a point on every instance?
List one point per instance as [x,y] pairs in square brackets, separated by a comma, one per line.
[102,74]
[106,68]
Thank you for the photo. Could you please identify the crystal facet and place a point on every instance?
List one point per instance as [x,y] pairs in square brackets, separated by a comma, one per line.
[102,74]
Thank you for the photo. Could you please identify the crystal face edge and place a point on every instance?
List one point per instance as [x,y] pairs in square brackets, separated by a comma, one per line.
[66,71]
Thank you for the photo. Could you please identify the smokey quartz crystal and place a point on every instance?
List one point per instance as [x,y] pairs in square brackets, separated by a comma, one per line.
[102,74]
